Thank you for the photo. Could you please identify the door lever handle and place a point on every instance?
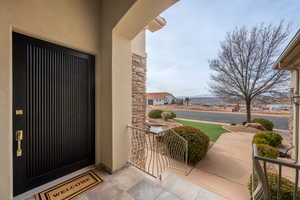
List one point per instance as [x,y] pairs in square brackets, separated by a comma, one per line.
[19,138]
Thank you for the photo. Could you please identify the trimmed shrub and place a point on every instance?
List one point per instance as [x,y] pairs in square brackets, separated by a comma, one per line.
[173,114]
[286,188]
[270,138]
[267,124]
[267,151]
[166,115]
[198,142]
[155,114]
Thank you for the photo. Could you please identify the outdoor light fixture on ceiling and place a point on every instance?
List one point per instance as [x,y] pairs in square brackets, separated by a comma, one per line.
[296,99]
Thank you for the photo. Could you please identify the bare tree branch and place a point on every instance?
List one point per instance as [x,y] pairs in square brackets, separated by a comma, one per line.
[243,67]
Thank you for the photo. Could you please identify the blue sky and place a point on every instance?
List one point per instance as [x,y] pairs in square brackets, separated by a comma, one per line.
[178,54]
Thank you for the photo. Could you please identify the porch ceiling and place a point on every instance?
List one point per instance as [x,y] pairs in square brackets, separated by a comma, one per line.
[290,57]
[139,16]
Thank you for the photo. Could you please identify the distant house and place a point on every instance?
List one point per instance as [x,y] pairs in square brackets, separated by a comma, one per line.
[160,98]
[278,107]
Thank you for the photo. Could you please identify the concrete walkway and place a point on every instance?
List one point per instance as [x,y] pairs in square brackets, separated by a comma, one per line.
[227,167]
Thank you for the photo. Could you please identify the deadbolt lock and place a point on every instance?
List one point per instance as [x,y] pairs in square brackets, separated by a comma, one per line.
[19,138]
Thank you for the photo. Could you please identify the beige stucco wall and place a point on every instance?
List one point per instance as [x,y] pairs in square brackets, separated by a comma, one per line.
[127,28]
[92,26]
[72,23]
[294,83]
[138,44]
[113,109]
[121,82]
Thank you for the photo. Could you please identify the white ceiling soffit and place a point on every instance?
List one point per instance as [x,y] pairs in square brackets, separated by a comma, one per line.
[287,51]
[140,15]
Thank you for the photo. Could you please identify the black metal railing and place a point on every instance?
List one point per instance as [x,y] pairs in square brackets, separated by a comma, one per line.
[261,188]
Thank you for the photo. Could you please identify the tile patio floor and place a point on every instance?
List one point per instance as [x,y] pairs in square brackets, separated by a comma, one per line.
[132,184]
[223,174]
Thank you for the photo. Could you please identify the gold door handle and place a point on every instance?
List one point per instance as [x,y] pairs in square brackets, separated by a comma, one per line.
[19,138]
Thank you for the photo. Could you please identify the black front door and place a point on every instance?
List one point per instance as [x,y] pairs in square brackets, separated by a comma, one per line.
[53,111]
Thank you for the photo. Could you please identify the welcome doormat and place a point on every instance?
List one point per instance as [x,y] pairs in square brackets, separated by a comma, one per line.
[71,188]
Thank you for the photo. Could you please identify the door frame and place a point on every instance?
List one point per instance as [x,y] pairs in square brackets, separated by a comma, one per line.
[16,119]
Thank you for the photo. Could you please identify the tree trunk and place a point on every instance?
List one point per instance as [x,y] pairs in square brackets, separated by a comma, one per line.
[248,108]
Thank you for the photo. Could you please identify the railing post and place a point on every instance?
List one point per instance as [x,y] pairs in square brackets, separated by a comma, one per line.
[296,184]
[263,186]
[279,181]
[262,178]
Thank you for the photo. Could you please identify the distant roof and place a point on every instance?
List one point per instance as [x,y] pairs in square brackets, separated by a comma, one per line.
[158,95]
[287,58]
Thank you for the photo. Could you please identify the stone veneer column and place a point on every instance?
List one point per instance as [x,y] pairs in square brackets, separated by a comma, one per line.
[138,91]
[138,140]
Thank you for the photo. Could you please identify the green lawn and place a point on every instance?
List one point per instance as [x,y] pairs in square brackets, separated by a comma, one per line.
[213,131]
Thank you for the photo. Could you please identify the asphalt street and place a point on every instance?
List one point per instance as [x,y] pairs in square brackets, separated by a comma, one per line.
[280,122]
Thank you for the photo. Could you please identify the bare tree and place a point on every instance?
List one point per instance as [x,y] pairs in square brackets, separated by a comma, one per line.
[243,67]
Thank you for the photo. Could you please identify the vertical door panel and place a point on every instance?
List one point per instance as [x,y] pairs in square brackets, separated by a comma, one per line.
[54,86]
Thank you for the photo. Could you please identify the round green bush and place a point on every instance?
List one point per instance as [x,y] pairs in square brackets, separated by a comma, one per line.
[267,151]
[166,115]
[155,114]
[270,138]
[173,114]
[286,188]
[267,124]
[198,142]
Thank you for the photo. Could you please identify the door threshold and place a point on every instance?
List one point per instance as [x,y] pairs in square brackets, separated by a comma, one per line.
[30,195]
